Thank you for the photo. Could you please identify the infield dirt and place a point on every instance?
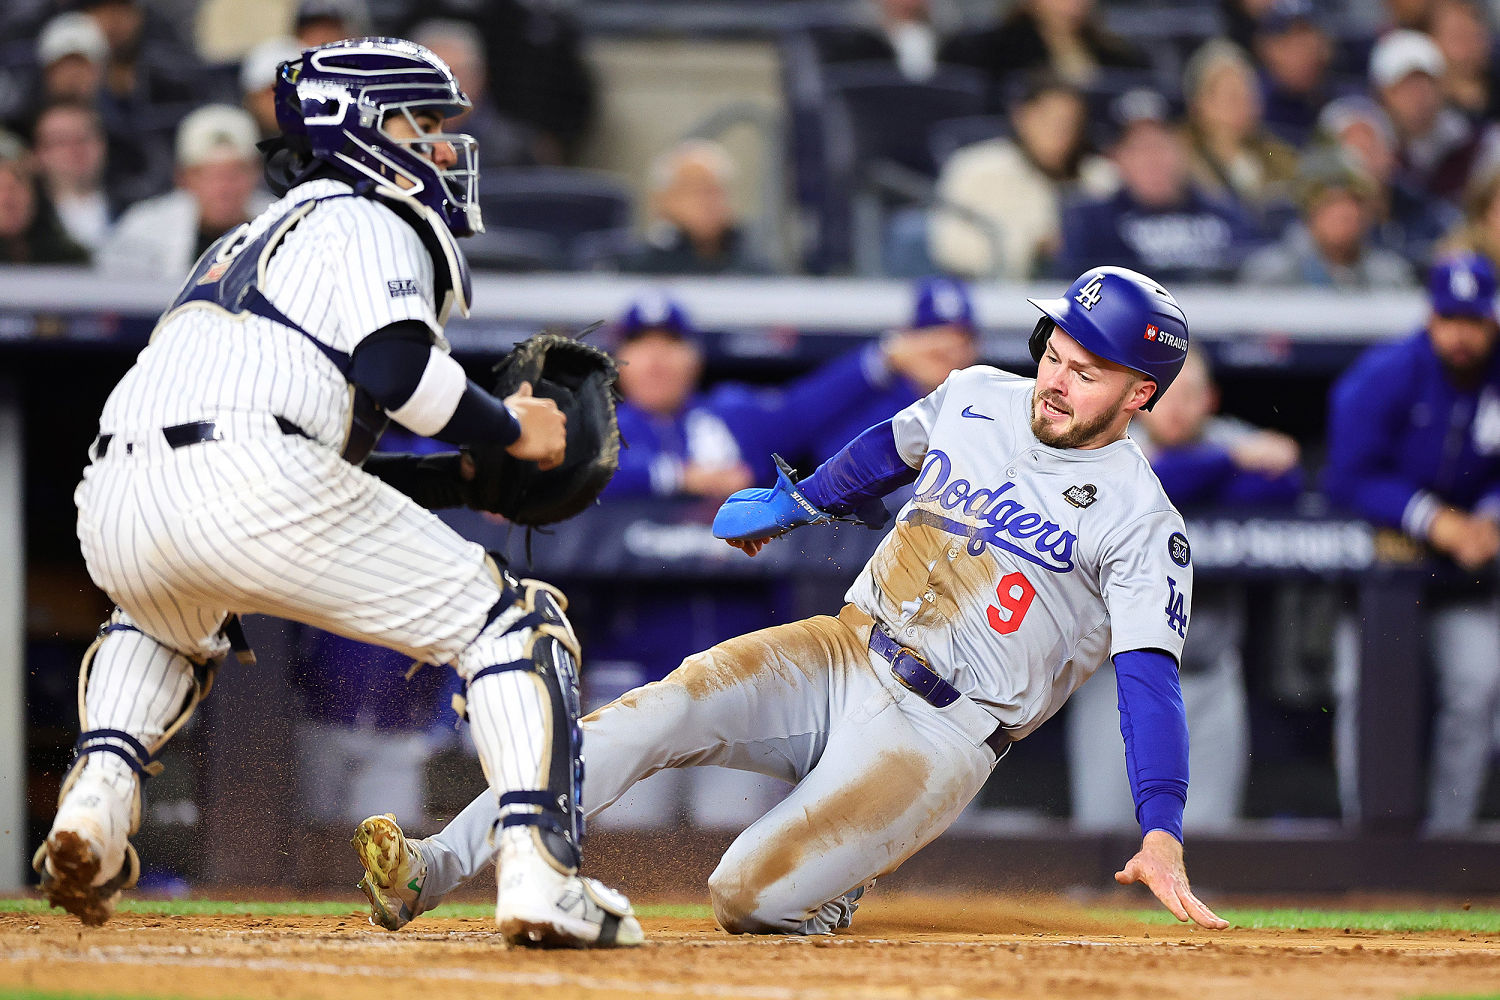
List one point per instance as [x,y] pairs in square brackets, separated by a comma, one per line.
[899,947]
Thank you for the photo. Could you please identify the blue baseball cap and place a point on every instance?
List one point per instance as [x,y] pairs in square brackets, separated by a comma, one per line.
[655,312]
[942,302]
[1463,285]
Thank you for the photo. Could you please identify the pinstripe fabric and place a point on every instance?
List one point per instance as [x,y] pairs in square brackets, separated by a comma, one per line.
[349,268]
[276,525]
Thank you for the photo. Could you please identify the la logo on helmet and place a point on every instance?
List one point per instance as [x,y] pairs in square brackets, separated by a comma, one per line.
[1088,296]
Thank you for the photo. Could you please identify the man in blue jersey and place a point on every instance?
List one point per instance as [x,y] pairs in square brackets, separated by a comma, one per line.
[1414,444]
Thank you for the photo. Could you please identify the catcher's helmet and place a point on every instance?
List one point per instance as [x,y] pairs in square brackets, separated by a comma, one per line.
[1122,316]
[338,97]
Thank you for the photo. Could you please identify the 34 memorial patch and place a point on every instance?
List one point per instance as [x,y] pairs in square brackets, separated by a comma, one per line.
[1177,548]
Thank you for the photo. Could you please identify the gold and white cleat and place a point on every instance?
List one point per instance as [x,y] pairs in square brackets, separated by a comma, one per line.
[394,872]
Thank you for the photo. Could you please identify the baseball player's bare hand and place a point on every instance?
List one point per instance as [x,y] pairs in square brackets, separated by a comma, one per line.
[715,481]
[1470,541]
[544,429]
[927,357]
[749,546]
[1267,452]
[1159,864]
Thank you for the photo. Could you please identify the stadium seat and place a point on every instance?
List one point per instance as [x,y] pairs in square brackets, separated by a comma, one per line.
[543,214]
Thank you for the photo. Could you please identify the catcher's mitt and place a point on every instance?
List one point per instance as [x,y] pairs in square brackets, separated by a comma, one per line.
[584,383]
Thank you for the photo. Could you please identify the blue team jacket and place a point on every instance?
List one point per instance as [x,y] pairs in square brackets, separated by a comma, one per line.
[737,421]
[1403,439]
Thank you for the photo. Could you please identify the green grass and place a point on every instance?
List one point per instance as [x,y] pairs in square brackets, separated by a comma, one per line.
[303,908]
[1475,921]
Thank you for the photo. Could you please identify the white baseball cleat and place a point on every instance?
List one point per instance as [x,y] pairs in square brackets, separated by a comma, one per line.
[540,907]
[86,860]
[394,872]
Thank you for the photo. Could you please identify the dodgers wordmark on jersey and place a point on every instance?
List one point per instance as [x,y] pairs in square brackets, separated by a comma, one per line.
[1081,547]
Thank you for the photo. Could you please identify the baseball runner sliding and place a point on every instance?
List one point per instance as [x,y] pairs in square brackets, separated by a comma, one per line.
[1037,544]
[227,479]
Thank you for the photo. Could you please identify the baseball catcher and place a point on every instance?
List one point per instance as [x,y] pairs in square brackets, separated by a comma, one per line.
[230,477]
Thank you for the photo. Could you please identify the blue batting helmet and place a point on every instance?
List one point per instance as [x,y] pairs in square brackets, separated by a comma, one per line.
[338,97]
[1122,316]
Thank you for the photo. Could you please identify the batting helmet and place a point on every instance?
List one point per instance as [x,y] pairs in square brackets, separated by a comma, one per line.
[337,99]
[1122,316]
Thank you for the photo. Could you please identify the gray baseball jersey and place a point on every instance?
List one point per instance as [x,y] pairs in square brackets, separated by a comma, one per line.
[1017,568]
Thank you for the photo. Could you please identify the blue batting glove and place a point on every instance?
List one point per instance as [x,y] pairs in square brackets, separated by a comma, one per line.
[757,514]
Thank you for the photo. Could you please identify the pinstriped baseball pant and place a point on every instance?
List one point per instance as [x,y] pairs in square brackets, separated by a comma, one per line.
[262,522]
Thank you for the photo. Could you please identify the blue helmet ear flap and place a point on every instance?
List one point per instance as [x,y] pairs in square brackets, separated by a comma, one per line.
[1037,342]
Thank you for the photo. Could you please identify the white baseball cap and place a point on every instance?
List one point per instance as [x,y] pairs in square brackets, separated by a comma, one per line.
[258,68]
[216,132]
[72,34]
[1401,53]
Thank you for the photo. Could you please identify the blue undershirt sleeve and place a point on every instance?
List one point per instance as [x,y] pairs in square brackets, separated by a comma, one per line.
[864,470]
[1154,725]
[399,368]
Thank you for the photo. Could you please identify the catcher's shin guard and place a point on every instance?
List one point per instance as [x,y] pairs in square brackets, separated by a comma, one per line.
[522,702]
[133,695]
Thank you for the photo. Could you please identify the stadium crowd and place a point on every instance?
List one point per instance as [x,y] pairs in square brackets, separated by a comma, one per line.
[1273,142]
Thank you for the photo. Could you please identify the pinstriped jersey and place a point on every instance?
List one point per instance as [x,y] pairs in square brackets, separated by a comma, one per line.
[1017,568]
[334,268]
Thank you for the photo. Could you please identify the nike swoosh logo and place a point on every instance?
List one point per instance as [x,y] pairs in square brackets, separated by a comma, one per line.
[969,412]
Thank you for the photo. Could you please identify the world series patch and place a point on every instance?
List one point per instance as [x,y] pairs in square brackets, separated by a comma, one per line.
[1177,548]
[1081,496]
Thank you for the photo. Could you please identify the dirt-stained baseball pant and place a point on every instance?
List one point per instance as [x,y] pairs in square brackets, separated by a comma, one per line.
[879,771]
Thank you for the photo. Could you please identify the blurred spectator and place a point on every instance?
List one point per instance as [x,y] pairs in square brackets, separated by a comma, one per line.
[1202,460]
[1159,221]
[1294,53]
[537,73]
[1231,154]
[68,140]
[150,63]
[1413,14]
[1331,246]
[218,169]
[1407,220]
[318,22]
[693,229]
[71,54]
[1414,445]
[1461,29]
[940,338]
[29,230]
[1437,147]
[1009,189]
[1064,36]
[905,33]
[258,80]
[502,141]
[1480,231]
[1240,18]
